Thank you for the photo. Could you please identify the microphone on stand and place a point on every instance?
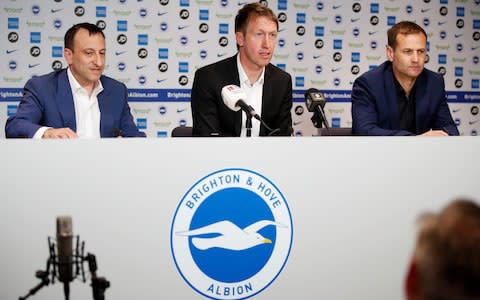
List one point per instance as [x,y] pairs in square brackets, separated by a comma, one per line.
[234,98]
[65,252]
[315,102]
[65,260]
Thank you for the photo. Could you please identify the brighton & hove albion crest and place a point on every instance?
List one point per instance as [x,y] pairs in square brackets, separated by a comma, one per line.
[231,234]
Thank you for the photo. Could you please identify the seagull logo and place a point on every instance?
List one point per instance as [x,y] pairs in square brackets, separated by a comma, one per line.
[232,219]
[230,236]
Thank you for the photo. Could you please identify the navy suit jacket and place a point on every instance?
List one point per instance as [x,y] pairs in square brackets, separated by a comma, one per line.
[210,114]
[48,101]
[375,105]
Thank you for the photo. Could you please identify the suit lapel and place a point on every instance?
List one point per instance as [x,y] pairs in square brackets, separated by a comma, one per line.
[421,99]
[391,95]
[235,80]
[106,120]
[65,103]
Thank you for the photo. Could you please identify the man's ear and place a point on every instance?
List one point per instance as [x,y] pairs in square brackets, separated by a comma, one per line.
[412,284]
[67,54]
[240,38]
[389,51]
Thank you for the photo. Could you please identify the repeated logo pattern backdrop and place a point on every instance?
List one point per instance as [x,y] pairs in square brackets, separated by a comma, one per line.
[155,46]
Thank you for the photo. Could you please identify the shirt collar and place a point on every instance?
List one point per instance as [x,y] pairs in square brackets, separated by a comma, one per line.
[243,76]
[76,87]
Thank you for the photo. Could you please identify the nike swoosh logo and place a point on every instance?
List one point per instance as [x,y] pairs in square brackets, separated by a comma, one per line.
[475,48]
[424,10]
[119,52]
[472,122]
[316,56]
[298,43]
[353,20]
[141,67]
[201,41]
[335,69]
[295,123]
[281,29]
[372,32]
[456,110]
[181,110]
[441,23]
[181,27]
[336,6]
[55,10]
[457,35]
[162,13]
[32,65]
[11,51]
[160,80]
[221,54]
[241,3]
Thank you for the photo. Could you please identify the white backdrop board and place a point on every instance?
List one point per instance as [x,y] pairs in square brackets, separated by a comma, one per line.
[353,203]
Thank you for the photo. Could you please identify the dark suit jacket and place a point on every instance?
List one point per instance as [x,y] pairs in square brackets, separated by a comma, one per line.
[375,106]
[48,101]
[211,116]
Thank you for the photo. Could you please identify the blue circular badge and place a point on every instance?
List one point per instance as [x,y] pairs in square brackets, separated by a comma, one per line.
[231,234]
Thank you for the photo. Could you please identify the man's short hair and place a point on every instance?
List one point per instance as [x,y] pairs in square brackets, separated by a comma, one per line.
[448,252]
[252,10]
[404,27]
[70,34]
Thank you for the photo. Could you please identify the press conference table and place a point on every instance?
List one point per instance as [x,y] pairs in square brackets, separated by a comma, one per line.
[353,202]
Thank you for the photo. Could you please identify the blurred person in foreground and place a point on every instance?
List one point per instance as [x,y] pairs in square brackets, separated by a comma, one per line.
[446,261]
[401,97]
[76,102]
[268,88]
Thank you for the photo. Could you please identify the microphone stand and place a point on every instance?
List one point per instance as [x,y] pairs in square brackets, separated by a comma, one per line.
[43,275]
[248,125]
[99,284]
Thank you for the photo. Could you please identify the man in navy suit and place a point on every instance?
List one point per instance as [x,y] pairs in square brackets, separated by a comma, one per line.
[268,88]
[401,97]
[77,102]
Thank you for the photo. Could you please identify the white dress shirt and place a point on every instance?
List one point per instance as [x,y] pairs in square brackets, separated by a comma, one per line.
[254,98]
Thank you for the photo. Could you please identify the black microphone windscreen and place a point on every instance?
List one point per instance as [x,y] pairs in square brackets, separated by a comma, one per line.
[314,98]
[65,248]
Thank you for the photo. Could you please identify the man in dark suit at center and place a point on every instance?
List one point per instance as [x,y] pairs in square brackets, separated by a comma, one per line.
[268,88]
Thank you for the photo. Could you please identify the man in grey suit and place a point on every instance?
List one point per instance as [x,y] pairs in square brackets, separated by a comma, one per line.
[268,88]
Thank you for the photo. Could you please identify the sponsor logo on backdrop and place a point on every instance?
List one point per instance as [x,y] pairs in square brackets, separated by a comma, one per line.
[231,234]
